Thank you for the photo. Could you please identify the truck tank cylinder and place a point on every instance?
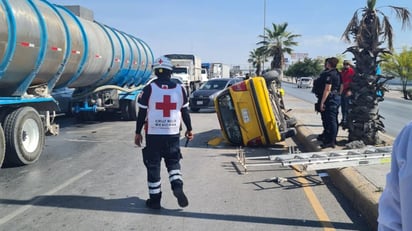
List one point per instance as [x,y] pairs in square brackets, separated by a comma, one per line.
[46,44]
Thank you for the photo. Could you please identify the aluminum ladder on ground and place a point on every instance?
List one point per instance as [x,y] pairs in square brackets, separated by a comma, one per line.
[324,159]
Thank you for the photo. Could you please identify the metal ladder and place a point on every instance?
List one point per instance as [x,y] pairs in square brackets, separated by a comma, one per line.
[322,160]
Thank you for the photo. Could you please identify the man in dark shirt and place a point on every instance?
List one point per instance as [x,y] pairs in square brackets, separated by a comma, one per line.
[330,102]
[162,105]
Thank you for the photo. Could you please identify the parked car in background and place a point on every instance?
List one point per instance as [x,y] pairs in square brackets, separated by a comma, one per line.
[241,77]
[204,97]
[305,82]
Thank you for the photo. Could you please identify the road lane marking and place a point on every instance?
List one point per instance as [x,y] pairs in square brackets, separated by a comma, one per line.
[316,205]
[21,210]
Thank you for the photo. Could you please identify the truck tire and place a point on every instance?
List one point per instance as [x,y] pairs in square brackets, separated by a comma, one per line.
[25,138]
[128,109]
[133,109]
[124,108]
[2,145]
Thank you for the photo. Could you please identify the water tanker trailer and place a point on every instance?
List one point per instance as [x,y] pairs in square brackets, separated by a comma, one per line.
[44,47]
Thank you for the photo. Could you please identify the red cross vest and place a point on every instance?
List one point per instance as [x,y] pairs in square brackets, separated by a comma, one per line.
[163,113]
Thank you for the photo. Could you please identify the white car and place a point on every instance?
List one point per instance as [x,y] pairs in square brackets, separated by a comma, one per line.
[305,82]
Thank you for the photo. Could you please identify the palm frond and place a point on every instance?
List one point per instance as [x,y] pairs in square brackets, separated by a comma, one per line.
[351,27]
[403,15]
[388,32]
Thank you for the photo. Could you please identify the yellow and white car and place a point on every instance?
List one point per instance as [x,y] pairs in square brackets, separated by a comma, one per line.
[249,116]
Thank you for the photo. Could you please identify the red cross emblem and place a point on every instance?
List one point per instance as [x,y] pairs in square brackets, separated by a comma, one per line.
[160,61]
[166,106]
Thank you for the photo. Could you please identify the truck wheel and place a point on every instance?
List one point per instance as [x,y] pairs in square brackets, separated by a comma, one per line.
[128,109]
[2,145]
[25,138]
[124,108]
[133,109]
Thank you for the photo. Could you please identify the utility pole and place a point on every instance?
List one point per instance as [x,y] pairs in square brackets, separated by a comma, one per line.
[264,32]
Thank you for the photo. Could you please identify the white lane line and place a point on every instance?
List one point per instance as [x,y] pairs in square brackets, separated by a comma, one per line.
[21,210]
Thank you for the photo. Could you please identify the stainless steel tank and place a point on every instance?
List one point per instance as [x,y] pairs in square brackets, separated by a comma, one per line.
[42,44]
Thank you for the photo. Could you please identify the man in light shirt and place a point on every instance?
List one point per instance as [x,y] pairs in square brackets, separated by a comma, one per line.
[395,204]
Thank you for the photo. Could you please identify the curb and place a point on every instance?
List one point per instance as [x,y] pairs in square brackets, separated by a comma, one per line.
[363,195]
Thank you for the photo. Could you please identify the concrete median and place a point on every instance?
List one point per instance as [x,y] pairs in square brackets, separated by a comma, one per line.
[355,185]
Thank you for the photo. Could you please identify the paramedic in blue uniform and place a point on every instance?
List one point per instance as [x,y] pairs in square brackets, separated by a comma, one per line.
[395,203]
[330,102]
[162,106]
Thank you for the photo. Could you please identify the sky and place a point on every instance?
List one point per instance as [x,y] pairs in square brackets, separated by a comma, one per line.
[227,31]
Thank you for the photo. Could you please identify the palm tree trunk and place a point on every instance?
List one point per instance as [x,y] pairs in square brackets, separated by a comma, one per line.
[363,117]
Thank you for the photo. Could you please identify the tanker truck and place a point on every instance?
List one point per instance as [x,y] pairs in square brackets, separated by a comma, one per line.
[44,47]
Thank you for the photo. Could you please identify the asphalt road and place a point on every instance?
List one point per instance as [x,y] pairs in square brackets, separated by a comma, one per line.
[91,177]
[395,110]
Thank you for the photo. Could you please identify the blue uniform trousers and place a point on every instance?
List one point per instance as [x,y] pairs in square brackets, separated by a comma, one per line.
[330,117]
[168,148]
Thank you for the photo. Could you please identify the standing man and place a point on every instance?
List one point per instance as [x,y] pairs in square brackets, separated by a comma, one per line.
[395,203]
[347,74]
[317,89]
[330,102]
[162,105]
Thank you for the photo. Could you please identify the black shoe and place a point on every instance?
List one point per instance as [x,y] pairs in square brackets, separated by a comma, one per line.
[329,145]
[320,138]
[181,197]
[152,204]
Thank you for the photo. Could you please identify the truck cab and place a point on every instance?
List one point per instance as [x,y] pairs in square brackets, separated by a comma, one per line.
[182,72]
[188,67]
[204,75]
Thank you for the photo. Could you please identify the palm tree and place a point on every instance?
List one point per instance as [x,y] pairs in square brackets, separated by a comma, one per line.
[368,33]
[276,43]
[399,64]
[257,58]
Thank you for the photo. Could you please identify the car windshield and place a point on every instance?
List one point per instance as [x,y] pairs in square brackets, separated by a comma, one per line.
[214,85]
[179,70]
